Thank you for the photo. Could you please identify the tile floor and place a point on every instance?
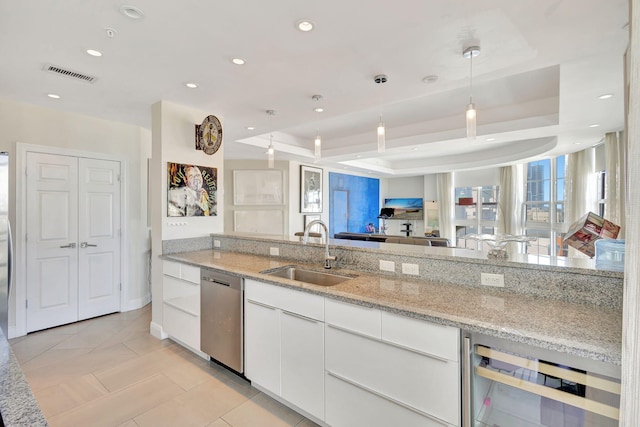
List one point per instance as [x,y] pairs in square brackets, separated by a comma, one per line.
[110,371]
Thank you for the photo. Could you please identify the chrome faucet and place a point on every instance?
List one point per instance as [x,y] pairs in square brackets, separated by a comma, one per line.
[305,239]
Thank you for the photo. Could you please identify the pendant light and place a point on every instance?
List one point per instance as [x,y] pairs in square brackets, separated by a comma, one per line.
[317,143]
[470,53]
[270,149]
[379,79]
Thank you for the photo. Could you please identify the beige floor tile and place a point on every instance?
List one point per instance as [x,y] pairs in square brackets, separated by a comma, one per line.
[142,342]
[307,423]
[53,358]
[69,394]
[218,423]
[137,369]
[129,423]
[198,407]
[116,408]
[36,344]
[262,411]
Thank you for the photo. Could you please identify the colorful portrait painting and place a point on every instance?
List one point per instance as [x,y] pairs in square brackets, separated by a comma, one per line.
[191,190]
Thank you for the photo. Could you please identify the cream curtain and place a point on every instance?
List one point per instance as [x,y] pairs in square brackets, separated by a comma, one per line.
[615,197]
[511,199]
[444,183]
[581,195]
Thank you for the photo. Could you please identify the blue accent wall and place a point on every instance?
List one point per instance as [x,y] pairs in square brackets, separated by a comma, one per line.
[362,197]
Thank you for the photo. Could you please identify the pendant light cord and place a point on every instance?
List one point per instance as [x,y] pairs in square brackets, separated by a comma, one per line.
[471,78]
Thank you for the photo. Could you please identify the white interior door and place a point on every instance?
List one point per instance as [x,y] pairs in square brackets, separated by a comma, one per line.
[99,238]
[73,239]
[52,237]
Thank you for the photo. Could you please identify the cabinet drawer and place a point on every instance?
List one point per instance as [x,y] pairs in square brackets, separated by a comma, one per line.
[184,295]
[349,405]
[181,271]
[291,300]
[427,384]
[182,326]
[355,318]
[439,340]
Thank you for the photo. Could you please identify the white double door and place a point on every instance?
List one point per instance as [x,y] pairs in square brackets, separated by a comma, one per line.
[73,239]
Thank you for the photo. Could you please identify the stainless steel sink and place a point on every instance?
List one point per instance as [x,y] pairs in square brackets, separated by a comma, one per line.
[308,276]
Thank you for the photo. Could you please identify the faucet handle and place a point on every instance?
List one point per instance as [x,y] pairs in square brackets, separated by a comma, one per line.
[328,259]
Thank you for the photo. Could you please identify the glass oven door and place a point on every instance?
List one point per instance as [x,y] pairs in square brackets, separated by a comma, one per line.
[514,388]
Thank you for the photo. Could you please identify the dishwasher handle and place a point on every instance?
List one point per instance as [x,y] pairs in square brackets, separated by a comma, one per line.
[209,277]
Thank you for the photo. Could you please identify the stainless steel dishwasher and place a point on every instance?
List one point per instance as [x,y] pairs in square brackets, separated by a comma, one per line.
[221,318]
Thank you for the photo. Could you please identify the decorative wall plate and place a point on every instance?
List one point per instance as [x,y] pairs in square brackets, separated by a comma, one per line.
[209,135]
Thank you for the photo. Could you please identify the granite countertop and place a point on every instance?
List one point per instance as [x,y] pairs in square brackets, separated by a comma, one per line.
[17,404]
[577,329]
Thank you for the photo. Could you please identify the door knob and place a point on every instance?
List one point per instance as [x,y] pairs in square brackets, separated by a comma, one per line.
[70,245]
[86,245]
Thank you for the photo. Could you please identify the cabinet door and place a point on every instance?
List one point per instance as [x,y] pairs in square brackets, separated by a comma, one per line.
[262,345]
[303,362]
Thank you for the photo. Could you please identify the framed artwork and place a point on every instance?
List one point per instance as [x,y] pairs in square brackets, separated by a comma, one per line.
[258,187]
[191,190]
[310,189]
[308,219]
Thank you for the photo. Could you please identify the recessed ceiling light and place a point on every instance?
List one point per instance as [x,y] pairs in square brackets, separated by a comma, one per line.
[490,139]
[430,79]
[53,95]
[191,85]
[606,96]
[131,12]
[94,52]
[414,149]
[305,25]
[318,109]
[595,125]
[238,61]
[250,128]
[577,143]
[358,156]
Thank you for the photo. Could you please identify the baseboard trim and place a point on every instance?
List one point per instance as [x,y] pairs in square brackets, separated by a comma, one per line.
[11,332]
[137,303]
[157,331]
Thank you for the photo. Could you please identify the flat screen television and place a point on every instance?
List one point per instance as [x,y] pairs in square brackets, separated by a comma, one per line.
[406,208]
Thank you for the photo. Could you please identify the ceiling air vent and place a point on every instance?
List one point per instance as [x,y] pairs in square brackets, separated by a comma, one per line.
[68,73]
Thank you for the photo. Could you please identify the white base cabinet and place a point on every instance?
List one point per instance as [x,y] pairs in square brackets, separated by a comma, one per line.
[349,365]
[284,344]
[181,303]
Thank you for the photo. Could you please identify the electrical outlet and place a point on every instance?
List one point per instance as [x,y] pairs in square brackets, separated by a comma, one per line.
[489,279]
[410,269]
[387,265]
[216,243]
[274,251]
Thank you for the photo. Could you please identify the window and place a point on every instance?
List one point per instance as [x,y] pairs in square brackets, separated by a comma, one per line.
[602,192]
[476,211]
[545,206]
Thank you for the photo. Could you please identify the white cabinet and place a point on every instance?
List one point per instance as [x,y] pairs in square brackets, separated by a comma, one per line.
[402,368]
[284,344]
[181,303]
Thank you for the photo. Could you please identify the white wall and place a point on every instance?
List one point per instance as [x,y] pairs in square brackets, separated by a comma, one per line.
[476,178]
[173,140]
[29,124]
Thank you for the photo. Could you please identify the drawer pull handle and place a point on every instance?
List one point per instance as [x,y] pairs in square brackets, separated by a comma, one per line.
[260,304]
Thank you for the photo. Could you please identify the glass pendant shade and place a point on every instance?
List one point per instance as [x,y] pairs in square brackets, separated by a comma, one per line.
[381,137]
[471,121]
[317,147]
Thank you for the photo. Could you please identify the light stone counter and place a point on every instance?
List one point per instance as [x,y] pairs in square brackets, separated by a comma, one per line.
[17,404]
[584,330]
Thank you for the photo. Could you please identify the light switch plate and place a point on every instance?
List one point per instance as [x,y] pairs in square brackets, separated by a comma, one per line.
[489,279]
[274,251]
[387,265]
[410,269]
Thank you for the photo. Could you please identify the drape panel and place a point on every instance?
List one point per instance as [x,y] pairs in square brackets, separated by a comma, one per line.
[581,195]
[444,184]
[616,180]
[511,199]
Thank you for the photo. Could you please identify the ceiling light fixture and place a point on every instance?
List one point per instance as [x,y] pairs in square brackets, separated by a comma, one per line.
[430,79]
[250,128]
[304,25]
[471,113]
[595,125]
[606,96]
[317,143]
[270,150]
[490,139]
[238,61]
[53,96]
[94,52]
[191,85]
[380,79]
[131,12]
